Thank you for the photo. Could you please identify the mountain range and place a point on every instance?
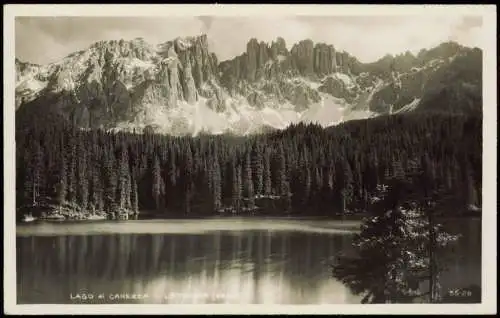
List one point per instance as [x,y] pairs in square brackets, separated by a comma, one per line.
[180,87]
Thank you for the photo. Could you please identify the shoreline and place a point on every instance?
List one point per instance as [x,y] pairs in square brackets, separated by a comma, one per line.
[152,217]
[225,226]
[188,226]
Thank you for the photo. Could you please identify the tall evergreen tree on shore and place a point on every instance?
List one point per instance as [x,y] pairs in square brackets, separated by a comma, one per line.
[307,186]
[110,183]
[72,173]
[171,175]
[188,179]
[267,173]
[97,191]
[248,182]
[124,179]
[157,183]
[237,186]
[401,235]
[83,184]
[134,197]
[33,185]
[217,184]
[258,170]
[62,188]
[347,186]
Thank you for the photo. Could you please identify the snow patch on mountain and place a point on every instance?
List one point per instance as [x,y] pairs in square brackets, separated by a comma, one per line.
[344,78]
[328,110]
[239,117]
[409,107]
[137,63]
[304,81]
[184,43]
[358,114]
[30,85]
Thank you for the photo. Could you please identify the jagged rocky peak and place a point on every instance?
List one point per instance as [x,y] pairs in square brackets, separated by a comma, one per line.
[267,61]
[317,60]
[194,56]
[261,60]
[180,86]
[200,41]
[303,57]
[136,48]
[325,59]
[278,48]
[118,80]
[184,44]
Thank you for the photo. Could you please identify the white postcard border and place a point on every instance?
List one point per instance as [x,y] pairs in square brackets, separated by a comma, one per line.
[489,278]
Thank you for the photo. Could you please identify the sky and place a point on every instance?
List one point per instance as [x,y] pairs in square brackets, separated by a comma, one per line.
[45,39]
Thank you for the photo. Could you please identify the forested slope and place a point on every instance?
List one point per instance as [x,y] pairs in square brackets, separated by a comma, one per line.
[304,169]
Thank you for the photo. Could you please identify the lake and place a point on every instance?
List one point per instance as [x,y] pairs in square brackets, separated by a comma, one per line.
[247,261]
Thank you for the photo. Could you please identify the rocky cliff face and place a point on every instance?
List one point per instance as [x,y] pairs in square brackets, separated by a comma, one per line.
[266,73]
[180,87]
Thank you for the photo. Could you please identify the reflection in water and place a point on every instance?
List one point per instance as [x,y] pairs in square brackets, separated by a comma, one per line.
[225,267]
[245,267]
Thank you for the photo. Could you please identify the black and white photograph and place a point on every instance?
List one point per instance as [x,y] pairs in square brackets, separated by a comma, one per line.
[224,156]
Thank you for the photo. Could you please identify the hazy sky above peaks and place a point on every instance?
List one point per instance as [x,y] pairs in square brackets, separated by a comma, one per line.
[47,39]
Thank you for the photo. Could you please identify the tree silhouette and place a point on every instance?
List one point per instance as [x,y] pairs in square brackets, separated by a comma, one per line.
[158,184]
[248,182]
[396,248]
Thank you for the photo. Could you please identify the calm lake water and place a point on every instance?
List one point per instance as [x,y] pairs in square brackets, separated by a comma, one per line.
[277,261]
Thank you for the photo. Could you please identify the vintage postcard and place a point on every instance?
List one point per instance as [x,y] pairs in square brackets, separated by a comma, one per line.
[255,159]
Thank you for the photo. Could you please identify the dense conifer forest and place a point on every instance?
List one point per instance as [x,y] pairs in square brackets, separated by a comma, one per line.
[302,170]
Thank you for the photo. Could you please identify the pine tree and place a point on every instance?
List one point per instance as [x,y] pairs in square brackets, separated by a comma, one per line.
[128,187]
[172,172]
[237,187]
[347,186]
[123,179]
[188,179]
[157,183]
[267,173]
[83,182]
[249,190]
[97,189]
[307,185]
[34,181]
[110,184]
[318,183]
[283,183]
[62,185]
[217,185]
[258,170]
[402,238]
[135,197]
[72,174]
[172,175]
[327,185]
[330,179]
[282,173]
[357,178]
